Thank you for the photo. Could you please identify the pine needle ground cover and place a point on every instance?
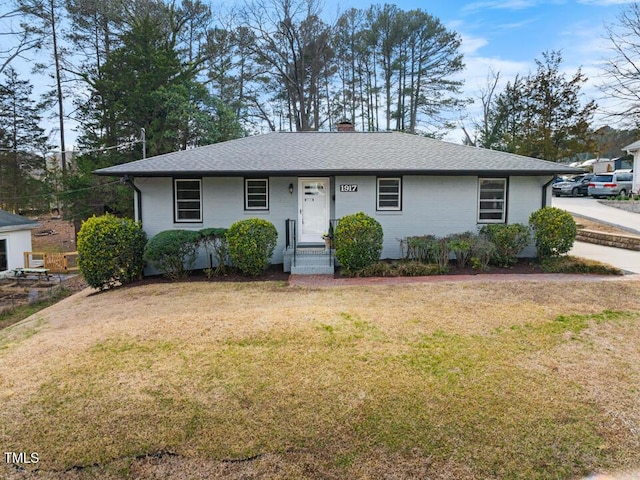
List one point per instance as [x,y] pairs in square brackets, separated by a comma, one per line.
[195,380]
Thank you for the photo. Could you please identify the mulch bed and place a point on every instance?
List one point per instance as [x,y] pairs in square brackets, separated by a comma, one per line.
[275,273]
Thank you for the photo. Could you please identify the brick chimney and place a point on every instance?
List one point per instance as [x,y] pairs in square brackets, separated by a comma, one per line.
[346,126]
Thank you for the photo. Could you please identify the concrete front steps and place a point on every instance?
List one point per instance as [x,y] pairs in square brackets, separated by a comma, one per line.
[628,242]
[311,261]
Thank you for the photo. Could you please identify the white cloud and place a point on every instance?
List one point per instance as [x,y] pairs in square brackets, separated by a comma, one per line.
[499,5]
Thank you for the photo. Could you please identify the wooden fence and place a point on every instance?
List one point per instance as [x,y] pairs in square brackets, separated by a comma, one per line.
[65,262]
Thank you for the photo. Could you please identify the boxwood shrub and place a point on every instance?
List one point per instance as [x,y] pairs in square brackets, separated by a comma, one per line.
[509,241]
[250,244]
[554,231]
[173,252]
[110,251]
[358,241]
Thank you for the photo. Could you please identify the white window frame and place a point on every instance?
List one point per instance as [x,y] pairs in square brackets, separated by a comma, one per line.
[379,195]
[247,194]
[495,201]
[176,201]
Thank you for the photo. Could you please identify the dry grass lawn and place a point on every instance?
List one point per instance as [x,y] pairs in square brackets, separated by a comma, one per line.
[261,380]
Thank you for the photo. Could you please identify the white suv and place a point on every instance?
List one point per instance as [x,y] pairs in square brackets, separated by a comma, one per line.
[611,184]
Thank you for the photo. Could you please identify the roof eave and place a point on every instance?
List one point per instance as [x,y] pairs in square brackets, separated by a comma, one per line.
[15,228]
[334,172]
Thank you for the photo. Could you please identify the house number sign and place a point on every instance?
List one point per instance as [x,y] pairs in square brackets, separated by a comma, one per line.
[349,187]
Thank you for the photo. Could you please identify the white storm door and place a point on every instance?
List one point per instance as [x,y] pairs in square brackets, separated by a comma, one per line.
[313,209]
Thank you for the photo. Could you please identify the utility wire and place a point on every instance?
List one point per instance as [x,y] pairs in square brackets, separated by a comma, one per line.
[64,192]
[81,152]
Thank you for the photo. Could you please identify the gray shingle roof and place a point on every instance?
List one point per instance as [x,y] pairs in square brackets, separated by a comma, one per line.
[633,147]
[327,153]
[9,221]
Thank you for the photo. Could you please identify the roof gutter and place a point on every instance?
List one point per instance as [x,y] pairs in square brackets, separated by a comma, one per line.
[544,191]
[138,194]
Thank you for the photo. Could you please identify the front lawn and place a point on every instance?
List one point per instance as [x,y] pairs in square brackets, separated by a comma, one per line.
[451,380]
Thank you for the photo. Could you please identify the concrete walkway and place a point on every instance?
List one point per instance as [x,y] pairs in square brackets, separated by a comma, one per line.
[627,260]
[590,208]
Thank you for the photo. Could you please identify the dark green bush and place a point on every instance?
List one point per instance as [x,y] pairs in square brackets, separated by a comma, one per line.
[214,241]
[110,251]
[251,243]
[461,244]
[358,241]
[554,231]
[173,252]
[509,241]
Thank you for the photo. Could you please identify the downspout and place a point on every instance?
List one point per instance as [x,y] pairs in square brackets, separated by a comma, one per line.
[544,191]
[138,194]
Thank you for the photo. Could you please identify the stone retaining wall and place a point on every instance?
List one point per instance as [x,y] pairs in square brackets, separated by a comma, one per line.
[628,205]
[620,241]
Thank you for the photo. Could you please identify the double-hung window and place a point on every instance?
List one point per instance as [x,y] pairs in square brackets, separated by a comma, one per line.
[256,194]
[389,194]
[492,200]
[188,200]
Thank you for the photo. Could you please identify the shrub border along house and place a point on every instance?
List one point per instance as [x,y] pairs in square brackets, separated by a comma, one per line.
[249,245]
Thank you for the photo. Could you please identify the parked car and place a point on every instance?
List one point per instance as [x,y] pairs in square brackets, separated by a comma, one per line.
[611,184]
[578,185]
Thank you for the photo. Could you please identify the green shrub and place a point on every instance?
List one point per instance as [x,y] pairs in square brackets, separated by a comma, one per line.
[461,244]
[554,231]
[420,248]
[481,253]
[173,252]
[110,251]
[509,241]
[378,269]
[358,241]
[214,241]
[411,268]
[251,243]
[418,269]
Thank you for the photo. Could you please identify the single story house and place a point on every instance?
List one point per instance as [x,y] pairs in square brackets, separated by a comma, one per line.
[15,239]
[634,149]
[303,181]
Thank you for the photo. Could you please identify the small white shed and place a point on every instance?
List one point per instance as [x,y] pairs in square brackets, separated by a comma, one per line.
[15,239]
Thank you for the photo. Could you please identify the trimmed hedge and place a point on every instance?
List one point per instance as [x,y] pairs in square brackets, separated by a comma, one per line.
[358,241]
[173,252]
[554,231]
[110,251]
[250,244]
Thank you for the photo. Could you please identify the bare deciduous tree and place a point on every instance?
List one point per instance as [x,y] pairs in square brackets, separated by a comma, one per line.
[622,69]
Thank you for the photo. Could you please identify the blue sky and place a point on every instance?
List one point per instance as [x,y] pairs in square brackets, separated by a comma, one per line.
[508,35]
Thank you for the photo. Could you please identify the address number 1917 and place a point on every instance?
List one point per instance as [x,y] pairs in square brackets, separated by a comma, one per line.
[349,187]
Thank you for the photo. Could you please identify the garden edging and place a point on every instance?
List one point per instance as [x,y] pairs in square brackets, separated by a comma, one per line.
[628,242]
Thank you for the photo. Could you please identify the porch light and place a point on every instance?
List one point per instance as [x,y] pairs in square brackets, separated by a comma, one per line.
[291,188]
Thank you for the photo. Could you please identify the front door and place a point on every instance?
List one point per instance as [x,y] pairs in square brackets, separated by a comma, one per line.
[313,212]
